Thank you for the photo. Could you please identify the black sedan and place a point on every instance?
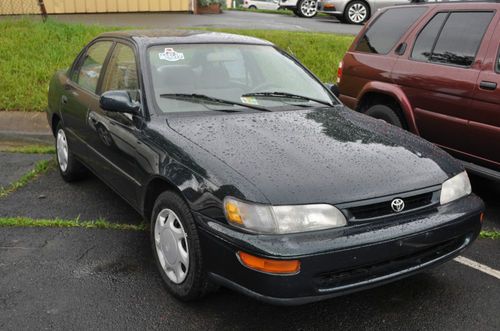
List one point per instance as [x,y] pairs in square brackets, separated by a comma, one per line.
[252,174]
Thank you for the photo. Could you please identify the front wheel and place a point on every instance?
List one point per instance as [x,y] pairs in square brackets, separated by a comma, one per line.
[356,12]
[307,8]
[176,248]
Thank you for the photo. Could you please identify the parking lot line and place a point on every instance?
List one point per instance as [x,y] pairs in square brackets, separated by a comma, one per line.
[478,266]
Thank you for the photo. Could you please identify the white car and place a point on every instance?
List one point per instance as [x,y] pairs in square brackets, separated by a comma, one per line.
[261,4]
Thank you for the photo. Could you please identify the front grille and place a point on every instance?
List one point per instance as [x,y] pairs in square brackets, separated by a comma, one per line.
[366,272]
[384,208]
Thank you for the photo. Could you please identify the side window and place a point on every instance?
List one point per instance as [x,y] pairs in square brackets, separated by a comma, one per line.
[460,38]
[121,73]
[388,28]
[498,61]
[88,74]
[422,49]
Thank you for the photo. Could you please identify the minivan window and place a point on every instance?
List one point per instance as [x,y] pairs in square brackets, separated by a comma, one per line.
[90,70]
[460,38]
[422,49]
[388,28]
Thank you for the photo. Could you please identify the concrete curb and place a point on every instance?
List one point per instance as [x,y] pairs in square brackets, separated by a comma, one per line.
[29,127]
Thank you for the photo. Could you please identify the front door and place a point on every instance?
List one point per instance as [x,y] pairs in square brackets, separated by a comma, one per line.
[116,136]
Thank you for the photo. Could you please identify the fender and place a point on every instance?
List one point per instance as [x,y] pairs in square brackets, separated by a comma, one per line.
[397,93]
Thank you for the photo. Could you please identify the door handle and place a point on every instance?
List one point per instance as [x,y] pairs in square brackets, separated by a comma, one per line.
[488,85]
[64,99]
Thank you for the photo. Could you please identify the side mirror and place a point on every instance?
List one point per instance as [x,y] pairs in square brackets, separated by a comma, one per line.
[333,88]
[119,101]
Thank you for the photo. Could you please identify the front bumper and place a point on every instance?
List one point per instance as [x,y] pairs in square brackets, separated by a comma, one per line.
[344,260]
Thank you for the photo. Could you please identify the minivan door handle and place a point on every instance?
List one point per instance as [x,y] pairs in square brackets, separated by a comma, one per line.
[488,85]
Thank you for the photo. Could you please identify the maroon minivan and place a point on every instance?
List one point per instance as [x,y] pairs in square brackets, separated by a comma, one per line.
[433,69]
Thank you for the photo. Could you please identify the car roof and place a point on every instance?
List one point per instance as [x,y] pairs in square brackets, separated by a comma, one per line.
[457,5]
[183,37]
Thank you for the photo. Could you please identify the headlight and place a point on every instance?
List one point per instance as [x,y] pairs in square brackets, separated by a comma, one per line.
[455,187]
[281,219]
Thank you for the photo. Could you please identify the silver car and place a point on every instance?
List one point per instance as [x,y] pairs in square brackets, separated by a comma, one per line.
[355,11]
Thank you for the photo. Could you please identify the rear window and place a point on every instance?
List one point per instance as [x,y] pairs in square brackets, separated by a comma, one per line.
[388,28]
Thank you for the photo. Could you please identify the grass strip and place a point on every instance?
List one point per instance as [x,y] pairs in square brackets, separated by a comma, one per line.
[40,168]
[59,223]
[29,149]
[490,234]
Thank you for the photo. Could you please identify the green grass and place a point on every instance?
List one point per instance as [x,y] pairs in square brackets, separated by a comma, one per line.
[76,223]
[31,51]
[40,168]
[29,149]
[490,234]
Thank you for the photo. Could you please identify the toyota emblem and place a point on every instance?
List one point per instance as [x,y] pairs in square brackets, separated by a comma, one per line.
[398,205]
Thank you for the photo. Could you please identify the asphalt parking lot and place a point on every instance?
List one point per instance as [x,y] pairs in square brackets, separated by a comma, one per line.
[228,19]
[60,278]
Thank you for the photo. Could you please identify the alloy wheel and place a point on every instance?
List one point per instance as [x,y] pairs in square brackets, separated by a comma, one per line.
[357,13]
[171,246]
[308,8]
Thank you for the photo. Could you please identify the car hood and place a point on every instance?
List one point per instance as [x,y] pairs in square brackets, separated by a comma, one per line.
[330,155]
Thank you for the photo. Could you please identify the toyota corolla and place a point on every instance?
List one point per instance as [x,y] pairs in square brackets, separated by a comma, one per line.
[250,171]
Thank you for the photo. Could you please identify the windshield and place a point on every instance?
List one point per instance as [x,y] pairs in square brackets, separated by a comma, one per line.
[184,75]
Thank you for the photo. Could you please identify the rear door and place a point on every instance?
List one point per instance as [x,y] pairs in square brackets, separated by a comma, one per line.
[80,93]
[485,116]
[439,74]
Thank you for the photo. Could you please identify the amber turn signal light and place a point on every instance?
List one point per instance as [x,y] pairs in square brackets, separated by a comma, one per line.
[268,265]
[481,217]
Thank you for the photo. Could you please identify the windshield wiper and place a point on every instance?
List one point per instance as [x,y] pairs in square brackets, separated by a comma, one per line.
[202,97]
[286,95]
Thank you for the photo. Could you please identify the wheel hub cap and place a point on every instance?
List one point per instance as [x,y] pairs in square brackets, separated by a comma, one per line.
[62,150]
[357,13]
[171,246]
[308,8]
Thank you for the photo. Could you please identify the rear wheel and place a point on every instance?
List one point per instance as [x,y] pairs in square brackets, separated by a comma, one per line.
[356,12]
[252,7]
[307,8]
[69,167]
[176,248]
[385,113]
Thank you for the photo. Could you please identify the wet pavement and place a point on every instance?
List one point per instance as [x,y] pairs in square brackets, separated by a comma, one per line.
[53,278]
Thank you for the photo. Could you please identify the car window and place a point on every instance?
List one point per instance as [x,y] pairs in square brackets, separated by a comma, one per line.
[228,72]
[422,49]
[90,69]
[460,38]
[498,61]
[388,28]
[121,73]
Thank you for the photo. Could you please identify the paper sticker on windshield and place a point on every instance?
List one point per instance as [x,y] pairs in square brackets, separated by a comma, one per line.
[171,55]
[249,100]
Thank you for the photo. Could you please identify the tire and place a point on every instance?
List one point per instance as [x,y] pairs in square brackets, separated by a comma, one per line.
[356,12]
[69,167]
[307,8]
[173,240]
[386,114]
[252,7]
